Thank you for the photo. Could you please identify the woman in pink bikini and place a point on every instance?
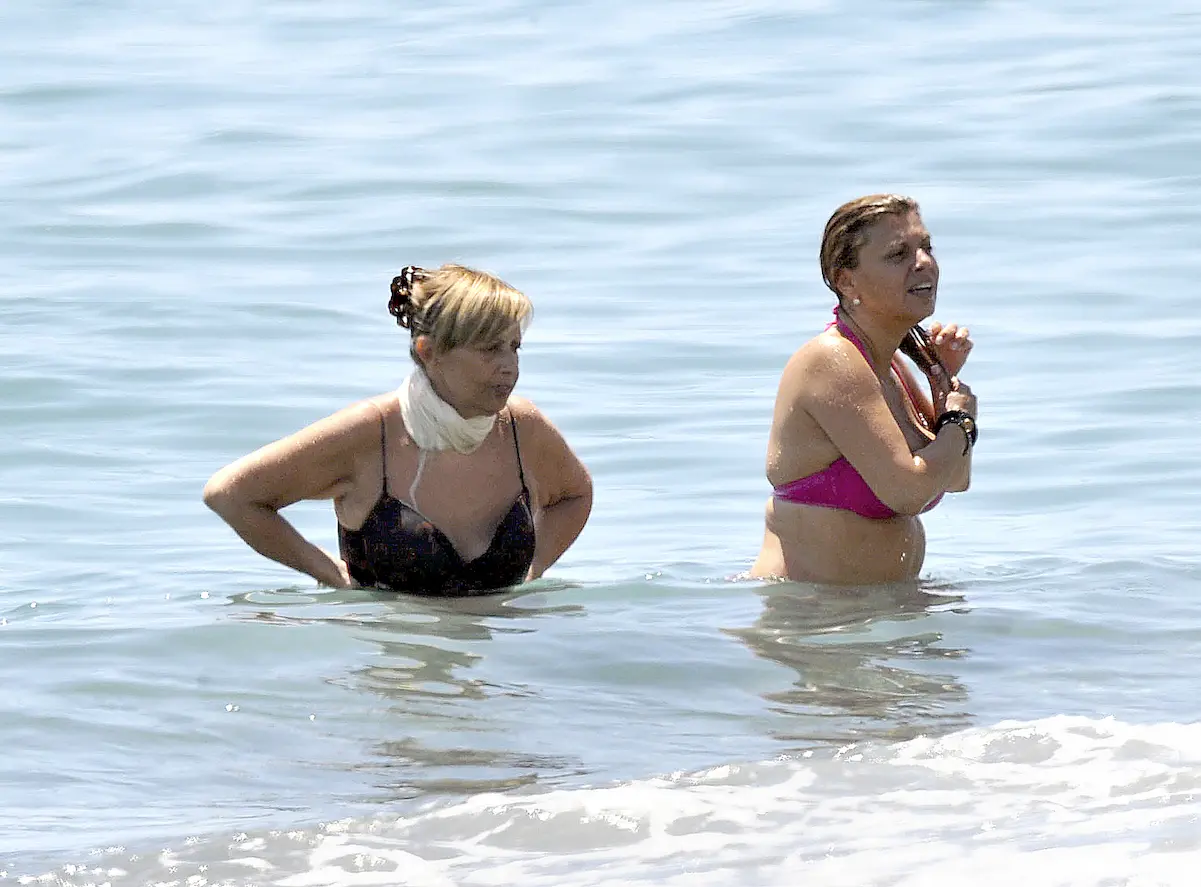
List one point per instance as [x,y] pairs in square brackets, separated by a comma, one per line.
[857,451]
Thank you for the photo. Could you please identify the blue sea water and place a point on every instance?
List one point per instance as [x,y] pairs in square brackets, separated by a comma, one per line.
[202,207]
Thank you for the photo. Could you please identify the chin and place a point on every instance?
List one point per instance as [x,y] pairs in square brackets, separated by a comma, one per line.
[927,310]
[498,403]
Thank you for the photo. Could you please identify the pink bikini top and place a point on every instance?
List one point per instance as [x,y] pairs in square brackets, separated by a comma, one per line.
[839,485]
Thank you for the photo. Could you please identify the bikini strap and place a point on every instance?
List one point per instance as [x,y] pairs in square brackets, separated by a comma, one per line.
[517,447]
[849,334]
[383,445]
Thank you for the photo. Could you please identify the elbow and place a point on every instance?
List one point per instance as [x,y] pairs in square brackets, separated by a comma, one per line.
[218,494]
[586,495]
[915,486]
[910,502]
[908,506]
[579,502]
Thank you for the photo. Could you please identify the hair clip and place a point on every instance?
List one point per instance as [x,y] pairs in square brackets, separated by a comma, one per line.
[400,305]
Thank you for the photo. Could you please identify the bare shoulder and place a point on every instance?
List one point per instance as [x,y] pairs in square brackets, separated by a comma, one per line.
[824,353]
[320,461]
[360,419]
[538,433]
[824,365]
[524,410]
[555,470]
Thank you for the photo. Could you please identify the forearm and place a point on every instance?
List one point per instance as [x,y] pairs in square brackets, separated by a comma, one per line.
[266,531]
[939,467]
[963,478]
[556,527]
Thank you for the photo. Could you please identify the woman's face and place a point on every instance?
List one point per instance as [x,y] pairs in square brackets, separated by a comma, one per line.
[897,273]
[477,379]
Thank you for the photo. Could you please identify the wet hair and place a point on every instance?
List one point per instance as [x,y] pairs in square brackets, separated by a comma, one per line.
[846,232]
[455,306]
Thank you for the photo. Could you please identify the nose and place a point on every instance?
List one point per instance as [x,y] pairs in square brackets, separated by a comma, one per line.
[508,363]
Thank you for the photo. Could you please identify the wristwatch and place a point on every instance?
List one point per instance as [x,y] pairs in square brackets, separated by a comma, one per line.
[964,421]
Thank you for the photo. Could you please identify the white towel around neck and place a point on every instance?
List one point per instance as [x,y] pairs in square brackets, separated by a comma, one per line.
[433,423]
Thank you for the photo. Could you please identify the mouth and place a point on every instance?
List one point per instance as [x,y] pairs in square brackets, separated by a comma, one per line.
[922,289]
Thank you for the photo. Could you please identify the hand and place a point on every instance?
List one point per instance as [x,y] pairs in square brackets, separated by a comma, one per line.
[344,575]
[961,398]
[951,344]
[337,574]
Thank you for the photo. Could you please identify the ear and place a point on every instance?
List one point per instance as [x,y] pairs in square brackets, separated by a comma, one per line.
[844,283]
[424,349]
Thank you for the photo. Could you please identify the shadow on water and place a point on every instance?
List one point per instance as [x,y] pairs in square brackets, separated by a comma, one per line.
[448,728]
[870,662]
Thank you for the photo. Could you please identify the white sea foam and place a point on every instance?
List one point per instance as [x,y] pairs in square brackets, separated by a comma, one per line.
[1060,801]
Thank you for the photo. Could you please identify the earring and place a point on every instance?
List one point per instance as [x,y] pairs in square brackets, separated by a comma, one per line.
[855,301]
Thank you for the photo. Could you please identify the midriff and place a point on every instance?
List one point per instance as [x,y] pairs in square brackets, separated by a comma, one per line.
[809,543]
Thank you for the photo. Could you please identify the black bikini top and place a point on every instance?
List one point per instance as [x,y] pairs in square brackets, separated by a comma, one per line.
[399,549]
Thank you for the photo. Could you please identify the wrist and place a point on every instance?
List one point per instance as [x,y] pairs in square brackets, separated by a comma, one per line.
[966,422]
[327,569]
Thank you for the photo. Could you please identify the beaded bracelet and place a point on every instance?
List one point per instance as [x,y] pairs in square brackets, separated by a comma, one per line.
[965,421]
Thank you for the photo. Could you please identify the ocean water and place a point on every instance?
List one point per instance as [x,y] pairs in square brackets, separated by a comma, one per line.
[203,204]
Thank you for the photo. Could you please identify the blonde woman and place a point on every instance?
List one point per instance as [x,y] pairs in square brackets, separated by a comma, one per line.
[857,450]
[449,486]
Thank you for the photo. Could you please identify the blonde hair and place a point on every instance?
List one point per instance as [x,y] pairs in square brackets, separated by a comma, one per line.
[846,232]
[455,306]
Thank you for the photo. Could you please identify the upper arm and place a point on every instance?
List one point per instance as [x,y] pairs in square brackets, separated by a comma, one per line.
[844,397]
[317,462]
[557,472]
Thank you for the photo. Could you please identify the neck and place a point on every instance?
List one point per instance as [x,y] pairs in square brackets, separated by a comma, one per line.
[433,423]
[880,339]
[440,389]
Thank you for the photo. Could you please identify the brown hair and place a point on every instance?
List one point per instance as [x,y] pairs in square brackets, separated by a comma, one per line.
[455,306]
[846,232]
